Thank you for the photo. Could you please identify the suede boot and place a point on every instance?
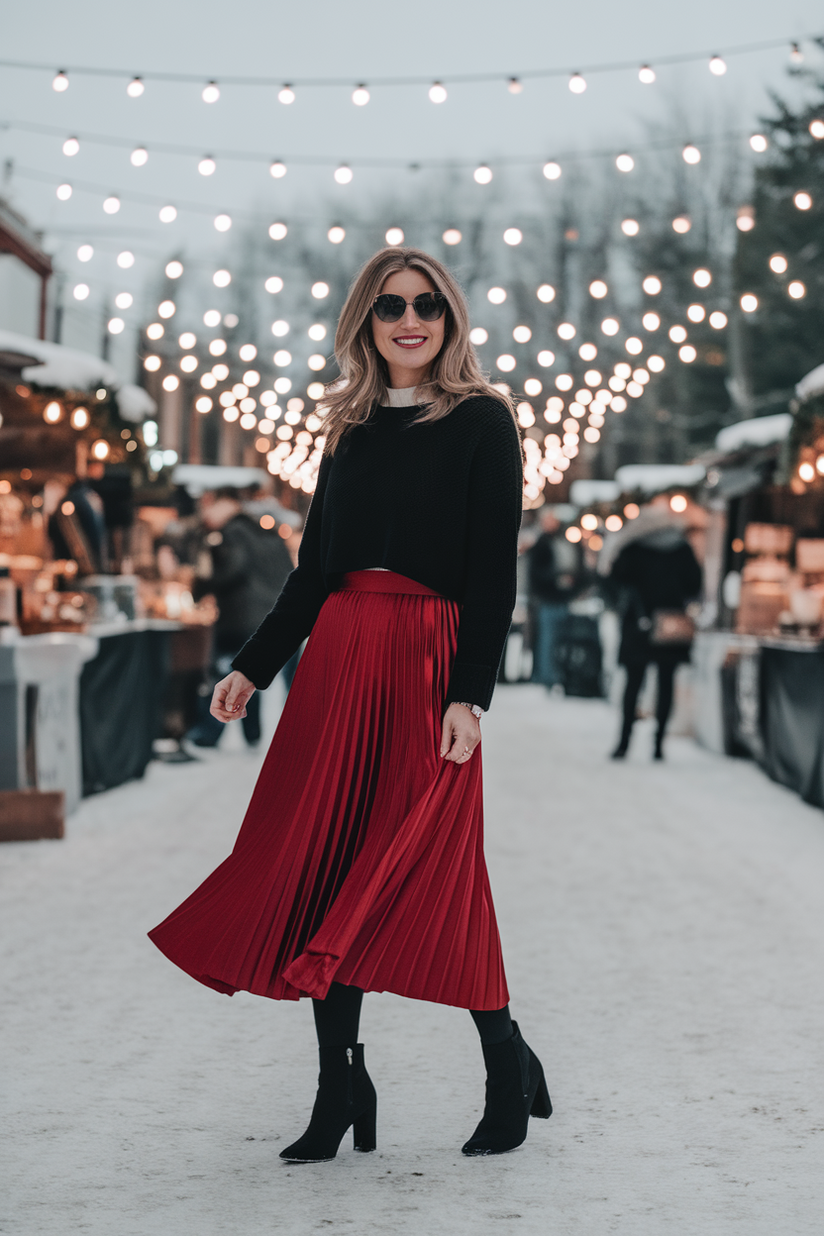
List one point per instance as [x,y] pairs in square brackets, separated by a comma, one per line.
[345,1097]
[515,1090]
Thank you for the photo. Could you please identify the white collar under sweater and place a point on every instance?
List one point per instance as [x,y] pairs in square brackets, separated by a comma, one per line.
[401,398]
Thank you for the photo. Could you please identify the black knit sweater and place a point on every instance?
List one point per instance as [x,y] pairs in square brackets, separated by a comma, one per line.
[440,503]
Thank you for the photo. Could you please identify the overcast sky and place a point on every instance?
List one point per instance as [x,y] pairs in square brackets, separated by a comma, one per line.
[358,40]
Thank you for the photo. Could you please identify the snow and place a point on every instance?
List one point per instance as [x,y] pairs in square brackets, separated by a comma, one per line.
[664,934]
[197,478]
[59,366]
[654,478]
[811,384]
[761,431]
[134,403]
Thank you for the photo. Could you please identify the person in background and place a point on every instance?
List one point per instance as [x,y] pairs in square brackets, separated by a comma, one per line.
[651,565]
[555,578]
[245,569]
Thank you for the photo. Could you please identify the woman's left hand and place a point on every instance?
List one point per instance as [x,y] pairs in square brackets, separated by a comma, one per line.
[461,734]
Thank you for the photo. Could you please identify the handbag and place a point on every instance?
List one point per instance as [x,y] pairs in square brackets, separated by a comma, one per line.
[671,626]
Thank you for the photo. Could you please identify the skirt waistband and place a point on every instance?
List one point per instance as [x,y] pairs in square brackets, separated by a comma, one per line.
[385,581]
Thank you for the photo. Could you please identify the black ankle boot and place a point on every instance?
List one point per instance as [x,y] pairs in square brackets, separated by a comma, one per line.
[345,1097]
[658,751]
[515,1090]
[623,744]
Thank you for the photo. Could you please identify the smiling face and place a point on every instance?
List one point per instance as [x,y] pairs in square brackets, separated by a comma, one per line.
[409,345]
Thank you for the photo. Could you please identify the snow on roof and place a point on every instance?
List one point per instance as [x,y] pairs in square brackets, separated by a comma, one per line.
[59,366]
[811,384]
[655,478]
[198,478]
[585,492]
[135,404]
[762,431]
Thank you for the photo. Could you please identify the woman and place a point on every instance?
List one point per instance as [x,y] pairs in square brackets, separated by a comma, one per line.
[656,574]
[359,865]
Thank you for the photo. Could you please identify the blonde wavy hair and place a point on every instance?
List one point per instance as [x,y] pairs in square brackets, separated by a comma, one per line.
[455,373]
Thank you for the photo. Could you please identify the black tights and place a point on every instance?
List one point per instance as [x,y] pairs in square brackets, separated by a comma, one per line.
[635,680]
[337,1019]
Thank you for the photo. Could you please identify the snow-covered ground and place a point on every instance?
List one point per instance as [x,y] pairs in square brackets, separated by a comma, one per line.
[664,933]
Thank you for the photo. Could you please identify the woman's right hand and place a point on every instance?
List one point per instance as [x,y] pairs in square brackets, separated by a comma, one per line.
[230,697]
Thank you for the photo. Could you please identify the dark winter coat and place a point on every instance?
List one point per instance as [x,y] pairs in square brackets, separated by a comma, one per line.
[656,572]
[250,565]
[556,572]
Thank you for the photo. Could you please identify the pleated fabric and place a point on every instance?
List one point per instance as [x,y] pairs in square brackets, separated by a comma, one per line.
[360,858]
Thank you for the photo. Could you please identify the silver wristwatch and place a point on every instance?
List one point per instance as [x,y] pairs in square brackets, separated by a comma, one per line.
[475,709]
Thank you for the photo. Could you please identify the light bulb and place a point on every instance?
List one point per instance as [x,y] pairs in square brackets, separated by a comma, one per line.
[167,214]
[681,224]
[546,359]
[111,205]
[496,296]
[171,382]
[718,320]
[696,313]
[60,82]
[336,235]
[221,278]
[588,352]
[803,201]
[797,289]
[566,331]
[651,285]
[598,289]
[522,334]
[701,278]
[223,223]
[610,326]
[718,66]
[452,236]
[166,309]
[64,192]
[677,334]
[545,293]
[139,156]
[343,174]
[687,353]
[577,83]
[85,253]
[650,321]
[634,346]
[745,218]
[513,236]
[71,146]
[278,231]
[778,263]
[203,404]
[515,85]
[211,318]
[759,143]
[274,284]
[188,363]
[280,328]
[394,236]
[174,269]
[646,74]
[482,174]
[437,93]
[210,93]
[135,88]
[691,154]
[80,291]
[360,96]
[817,129]
[277,169]
[506,363]
[155,330]
[552,170]
[630,227]
[286,94]
[206,166]
[124,300]
[625,163]
[478,336]
[320,290]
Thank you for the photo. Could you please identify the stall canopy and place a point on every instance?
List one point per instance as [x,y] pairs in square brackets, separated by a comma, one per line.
[585,493]
[762,431]
[656,478]
[811,384]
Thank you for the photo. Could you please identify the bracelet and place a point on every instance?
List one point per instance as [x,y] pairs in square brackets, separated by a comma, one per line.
[475,709]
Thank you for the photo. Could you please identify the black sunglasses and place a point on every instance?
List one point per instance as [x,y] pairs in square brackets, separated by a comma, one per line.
[429,306]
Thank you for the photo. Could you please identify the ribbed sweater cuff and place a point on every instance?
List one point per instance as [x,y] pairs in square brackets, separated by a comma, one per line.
[471,684]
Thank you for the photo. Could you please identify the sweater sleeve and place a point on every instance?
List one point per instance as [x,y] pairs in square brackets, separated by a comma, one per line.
[494,518]
[291,619]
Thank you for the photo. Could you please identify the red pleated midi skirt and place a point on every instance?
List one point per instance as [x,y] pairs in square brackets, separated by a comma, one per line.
[360,858]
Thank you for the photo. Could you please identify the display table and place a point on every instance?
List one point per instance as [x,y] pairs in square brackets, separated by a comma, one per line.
[121,700]
[792,715]
[40,734]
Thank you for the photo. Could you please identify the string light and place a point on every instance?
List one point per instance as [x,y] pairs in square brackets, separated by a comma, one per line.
[155,331]
[532,387]
[221,278]
[280,328]
[717,320]
[796,55]
[394,236]
[759,143]
[111,205]
[656,364]
[625,162]
[564,382]
[171,382]
[745,218]
[482,174]
[223,223]
[277,169]
[817,129]
[278,231]
[320,290]
[513,236]
[166,309]
[248,352]
[650,321]
[677,334]
[124,300]
[552,170]
[718,66]
[174,269]
[139,156]
[452,236]
[496,296]
[286,94]
[167,214]
[360,96]
[81,291]
[610,326]
[85,253]
[60,82]
[522,334]
[71,146]
[687,353]
[566,331]
[210,93]
[652,285]
[206,166]
[546,359]
[802,201]
[630,227]
[135,88]
[80,418]
[343,174]
[701,278]
[211,318]
[506,363]
[797,289]
[189,363]
[778,263]
[696,313]
[646,74]
[598,289]
[748,302]
[203,404]
[336,235]
[577,83]
[546,293]
[437,93]
[588,352]
[187,340]
[634,345]
[64,192]
[681,224]
[515,85]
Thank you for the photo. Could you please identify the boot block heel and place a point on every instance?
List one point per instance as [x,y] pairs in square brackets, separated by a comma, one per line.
[541,1104]
[364,1130]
